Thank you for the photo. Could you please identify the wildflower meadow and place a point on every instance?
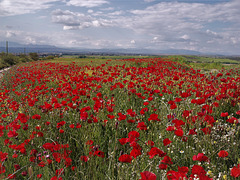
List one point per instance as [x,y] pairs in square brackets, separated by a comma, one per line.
[129,119]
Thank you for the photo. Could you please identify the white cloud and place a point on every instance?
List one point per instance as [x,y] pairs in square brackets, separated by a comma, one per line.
[10,34]
[133,42]
[74,20]
[185,37]
[17,7]
[115,13]
[172,24]
[165,25]
[149,0]
[90,11]
[30,40]
[86,3]
[184,24]
[24,37]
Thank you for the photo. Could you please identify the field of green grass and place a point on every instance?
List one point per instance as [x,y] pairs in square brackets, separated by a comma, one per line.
[197,62]
[127,118]
[208,62]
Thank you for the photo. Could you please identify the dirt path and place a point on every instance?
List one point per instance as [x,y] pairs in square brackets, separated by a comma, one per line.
[2,71]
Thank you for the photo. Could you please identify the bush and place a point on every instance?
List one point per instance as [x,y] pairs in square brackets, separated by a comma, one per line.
[179,59]
[49,57]
[10,59]
[34,56]
[23,58]
[2,65]
[82,56]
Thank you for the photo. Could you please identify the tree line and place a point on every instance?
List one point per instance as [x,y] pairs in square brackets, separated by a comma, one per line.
[8,59]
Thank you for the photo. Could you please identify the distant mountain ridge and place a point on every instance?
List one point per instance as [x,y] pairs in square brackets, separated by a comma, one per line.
[14,47]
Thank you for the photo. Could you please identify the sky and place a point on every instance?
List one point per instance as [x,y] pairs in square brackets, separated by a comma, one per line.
[207,26]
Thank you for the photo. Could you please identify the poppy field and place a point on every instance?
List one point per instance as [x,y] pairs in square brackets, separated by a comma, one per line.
[148,119]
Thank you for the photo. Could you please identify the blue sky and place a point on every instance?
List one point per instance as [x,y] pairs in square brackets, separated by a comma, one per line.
[208,26]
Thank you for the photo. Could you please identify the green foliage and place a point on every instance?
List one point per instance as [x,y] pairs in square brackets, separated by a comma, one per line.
[23,58]
[50,57]
[82,56]
[34,56]
[10,59]
[208,66]
[179,59]
[56,84]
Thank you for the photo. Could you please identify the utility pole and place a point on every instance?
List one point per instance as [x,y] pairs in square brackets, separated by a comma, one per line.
[7,47]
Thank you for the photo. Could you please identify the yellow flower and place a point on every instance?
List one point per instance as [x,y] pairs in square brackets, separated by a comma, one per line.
[210,173]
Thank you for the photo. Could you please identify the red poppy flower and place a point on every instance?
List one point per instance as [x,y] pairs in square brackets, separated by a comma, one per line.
[89,142]
[146,175]
[235,171]
[56,178]
[163,166]
[68,162]
[71,126]
[167,160]
[166,142]
[123,141]
[2,169]
[36,116]
[151,143]
[121,117]
[99,154]
[11,176]
[155,151]
[39,176]
[41,164]
[192,131]
[206,130]
[3,156]
[59,172]
[175,78]
[170,128]
[198,170]
[175,175]
[200,157]
[173,106]
[132,136]
[84,158]
[224,114]
[153,117]
[126,158]
[135,153]
[178,99]
[78,126]
[61,131]
[183,170]
[142,126]
[223,153]
[232,120]
[186,113]
[12,134]
[179,132]
[238,112]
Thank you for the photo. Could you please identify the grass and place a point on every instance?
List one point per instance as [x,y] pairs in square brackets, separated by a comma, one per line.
[206,63]
[82,118]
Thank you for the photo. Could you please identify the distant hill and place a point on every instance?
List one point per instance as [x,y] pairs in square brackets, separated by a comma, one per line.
[14,47]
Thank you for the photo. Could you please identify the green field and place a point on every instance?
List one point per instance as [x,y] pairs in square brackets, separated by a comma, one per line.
[127,118]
